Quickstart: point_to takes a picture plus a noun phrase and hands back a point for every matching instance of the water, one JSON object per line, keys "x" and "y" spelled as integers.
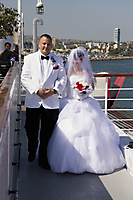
{"x": 114, "y": 66}
{"x": 118, "y": 66}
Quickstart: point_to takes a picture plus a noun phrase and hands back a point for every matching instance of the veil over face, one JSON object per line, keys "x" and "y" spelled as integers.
{"x": 78, "y": 62}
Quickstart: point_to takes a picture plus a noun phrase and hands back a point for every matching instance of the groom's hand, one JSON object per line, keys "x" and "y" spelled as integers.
{"x": 45, "y": 93}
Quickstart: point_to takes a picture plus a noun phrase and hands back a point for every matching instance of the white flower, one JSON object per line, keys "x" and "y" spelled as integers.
{"x": 83, "y": 83}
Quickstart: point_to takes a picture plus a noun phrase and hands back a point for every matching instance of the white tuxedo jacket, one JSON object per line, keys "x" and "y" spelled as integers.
{"x": 31, "y": 78}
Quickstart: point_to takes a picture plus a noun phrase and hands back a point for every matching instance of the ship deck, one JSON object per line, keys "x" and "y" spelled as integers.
{"x": 37, "y": 183}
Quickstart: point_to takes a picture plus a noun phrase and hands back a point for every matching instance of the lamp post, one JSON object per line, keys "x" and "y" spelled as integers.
{"x": 39, "y": 7}
{"x": 35, "y": 32}
{"x": 40, "y": 11}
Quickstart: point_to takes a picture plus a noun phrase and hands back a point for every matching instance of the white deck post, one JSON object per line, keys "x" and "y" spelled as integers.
{"x": 106, "y": 95}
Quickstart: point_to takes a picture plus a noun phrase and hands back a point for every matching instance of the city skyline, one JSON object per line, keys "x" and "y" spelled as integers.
{"x": 80, "y": 20}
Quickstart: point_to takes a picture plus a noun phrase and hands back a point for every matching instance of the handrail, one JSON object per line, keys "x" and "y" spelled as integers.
{"x": 125, "y": 111}
{"x": 5, "y": 88}
{"x": 118, "y": 109}
{"x": 112, "y": 75}
{"x": 9, "y": 133}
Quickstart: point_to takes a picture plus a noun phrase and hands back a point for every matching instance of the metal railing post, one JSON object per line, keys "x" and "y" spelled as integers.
{"x": 106, "y": 95}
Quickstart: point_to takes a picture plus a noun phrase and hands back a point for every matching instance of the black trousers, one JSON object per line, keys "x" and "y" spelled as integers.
{"x": 48, "y": 118}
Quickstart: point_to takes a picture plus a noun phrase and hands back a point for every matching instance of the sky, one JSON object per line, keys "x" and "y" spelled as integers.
{"x": 79, "y": 19}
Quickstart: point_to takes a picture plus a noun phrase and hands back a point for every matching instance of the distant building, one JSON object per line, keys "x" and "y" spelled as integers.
{"x": 117, "y": 37}
{"x": 67, "y": 45}
{"x": 54, "y": 42}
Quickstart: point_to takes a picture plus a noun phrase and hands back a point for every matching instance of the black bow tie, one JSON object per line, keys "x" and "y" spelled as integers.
{"x": 45, "y": 57}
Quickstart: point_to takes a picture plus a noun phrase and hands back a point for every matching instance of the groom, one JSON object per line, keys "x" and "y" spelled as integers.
{"x": 44, "y": 77}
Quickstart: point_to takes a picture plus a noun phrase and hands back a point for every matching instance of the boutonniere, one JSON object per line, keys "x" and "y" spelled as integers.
{"x": 56, "y": 67}
{"x": 53, "y": 60}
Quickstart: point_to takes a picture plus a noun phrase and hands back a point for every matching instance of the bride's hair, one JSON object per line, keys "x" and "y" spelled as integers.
{"x": 79, "y": 57}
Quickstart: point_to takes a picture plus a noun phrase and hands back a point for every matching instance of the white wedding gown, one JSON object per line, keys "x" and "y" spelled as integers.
{"x": 84, "y": 139}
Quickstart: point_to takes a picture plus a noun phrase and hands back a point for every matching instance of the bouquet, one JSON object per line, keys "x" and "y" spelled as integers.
{"x": 82, "y": 89}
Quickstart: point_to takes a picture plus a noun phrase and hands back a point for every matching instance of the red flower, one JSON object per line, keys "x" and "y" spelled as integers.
{"x": 53, "y": 60}
{"x": 79, "y": 86}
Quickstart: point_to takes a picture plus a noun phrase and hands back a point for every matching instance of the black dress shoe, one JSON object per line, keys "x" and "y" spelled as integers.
{"x": 44, "y": 166}
{"x": 31, "y": 157}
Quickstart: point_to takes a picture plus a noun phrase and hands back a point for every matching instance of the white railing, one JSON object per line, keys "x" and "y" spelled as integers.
{"x": 126, "y": 116}
{"x": 9, "y": 133}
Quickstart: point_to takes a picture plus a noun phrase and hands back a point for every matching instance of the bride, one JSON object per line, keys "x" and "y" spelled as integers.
{"x": 84, "y": 139}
